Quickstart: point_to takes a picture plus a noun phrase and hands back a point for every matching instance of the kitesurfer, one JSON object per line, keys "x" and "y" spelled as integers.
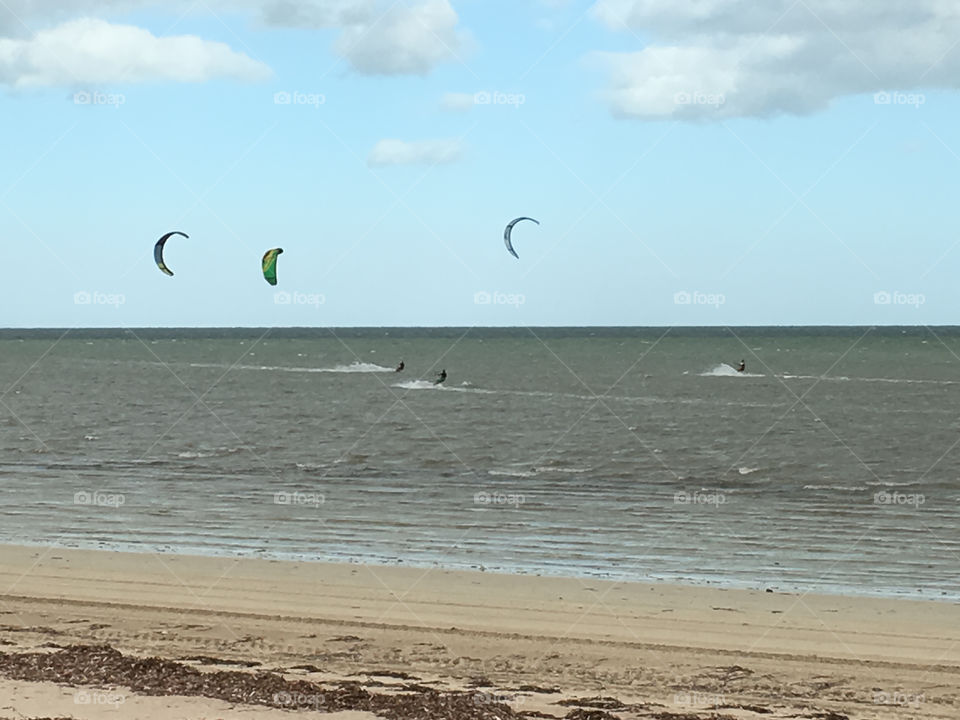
{"x": 441, "y": 376}
{"x": 742, "y": 367}
{"x": 400, "y": 367}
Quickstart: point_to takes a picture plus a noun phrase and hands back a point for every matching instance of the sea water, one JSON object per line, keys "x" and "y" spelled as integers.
{"x": 832, "y": 464}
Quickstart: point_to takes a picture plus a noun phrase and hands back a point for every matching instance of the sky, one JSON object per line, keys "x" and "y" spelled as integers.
{"x": 707, "y": 162}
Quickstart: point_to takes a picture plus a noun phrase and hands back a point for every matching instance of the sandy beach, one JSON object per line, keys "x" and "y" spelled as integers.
{"x": 474, "y": 644}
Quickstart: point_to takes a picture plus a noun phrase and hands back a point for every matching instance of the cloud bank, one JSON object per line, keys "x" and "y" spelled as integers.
{"x": 738, "y": 58}
{"x": 379, "y": 37}
{"x": 71, "y": 42}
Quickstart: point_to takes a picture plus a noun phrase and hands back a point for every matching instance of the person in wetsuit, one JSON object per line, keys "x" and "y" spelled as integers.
{"x": 441, "y": 376}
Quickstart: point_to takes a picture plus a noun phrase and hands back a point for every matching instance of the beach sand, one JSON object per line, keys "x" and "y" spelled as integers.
{"x": 461, "y": 644}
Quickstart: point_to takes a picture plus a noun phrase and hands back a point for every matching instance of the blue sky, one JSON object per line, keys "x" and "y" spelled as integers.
{"x": 690, "y": 163}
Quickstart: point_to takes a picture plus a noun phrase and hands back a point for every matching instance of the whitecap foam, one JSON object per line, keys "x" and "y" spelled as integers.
{"x": 216, "y": 452}
{"x": 892, "y": 381}
{"x": 724, "y": 370}
{"x": 894, "y": 483}
{"x": 907, "y": 381}
{"x": 819, "y": 378}
{"x": 845, "y": 488}
{"x": 355, "y": 367}
{"x": 430, "y": 385}
{"x": 476, "y": 391}
{"x": 511, "y": 473}
{"x": 417, "y": 385}
{"x": 358, "y": 367}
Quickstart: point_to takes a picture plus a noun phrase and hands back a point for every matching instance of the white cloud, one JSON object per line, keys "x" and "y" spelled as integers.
{"x": 376, "y": 37}
{"x": 423, "y": 152}
{"x": 23, "y": 18}
{"x": 403, "y": 40}
{"x": 735, "y": 58}
{"x": 318, "y": 13}
{"x": 458, "y": 102}
{"x": 18, "y": 17}
{"x": 96, "y": 52}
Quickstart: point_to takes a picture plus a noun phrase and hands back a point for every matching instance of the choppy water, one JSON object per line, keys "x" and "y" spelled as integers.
{"x": 833, "y": 464}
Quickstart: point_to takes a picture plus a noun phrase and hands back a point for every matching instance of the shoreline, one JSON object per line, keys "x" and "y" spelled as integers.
{"x": 680, "y": 649}
{"x": 825, "y": 591}
{"x": 58, "y": 574}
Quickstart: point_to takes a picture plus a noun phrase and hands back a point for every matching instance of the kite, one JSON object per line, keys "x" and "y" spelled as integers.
{"x": 158, "y": 251}
{"x": 270, "y": 265}
{"x": 509, "y": 231}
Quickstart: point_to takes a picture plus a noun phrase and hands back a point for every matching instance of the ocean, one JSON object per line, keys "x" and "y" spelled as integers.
{"x": 831, "y": 465}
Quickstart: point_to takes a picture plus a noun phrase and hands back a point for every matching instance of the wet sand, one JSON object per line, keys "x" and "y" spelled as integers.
{"x": 467, "y": 644}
